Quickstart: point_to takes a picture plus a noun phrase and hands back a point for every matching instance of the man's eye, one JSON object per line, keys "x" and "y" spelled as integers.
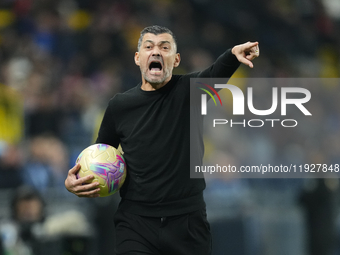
{"x": 148, "y": 47}
{"x": 165, "y": 47}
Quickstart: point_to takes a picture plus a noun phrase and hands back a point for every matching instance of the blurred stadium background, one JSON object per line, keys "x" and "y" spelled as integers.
{"x": 62, "y": 60}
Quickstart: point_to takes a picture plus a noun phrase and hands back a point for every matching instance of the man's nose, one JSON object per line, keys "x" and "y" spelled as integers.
{"x": 156, "y": 52}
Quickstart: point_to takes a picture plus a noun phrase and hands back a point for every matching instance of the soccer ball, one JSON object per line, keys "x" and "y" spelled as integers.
{"x": 106, "y": 164}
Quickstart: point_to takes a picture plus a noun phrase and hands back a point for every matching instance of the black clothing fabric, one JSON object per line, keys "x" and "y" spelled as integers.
{"x": 187, "y": 234}
{"x": 153, "y": 128}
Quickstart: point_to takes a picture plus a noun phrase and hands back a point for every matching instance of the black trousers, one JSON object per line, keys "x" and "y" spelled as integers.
{"x": 187, "y": 234}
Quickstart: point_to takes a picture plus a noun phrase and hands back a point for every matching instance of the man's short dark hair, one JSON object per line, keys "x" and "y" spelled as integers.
{"x": 156, "y": 30}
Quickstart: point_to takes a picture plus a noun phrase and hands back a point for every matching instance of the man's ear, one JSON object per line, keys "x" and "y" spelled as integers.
{"x": 137, "y": 58}
{"x": 177, "y": 60}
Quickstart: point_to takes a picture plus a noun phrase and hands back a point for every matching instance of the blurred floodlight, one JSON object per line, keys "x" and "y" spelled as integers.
{"x": 332, "y": 8}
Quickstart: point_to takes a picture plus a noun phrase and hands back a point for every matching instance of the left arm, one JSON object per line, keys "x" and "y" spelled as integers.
{"x": 229, "y": 61}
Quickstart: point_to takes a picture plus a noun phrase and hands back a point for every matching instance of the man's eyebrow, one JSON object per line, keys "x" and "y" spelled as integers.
{"x": 161, "y": 42}
{"x": 150, "y": 41}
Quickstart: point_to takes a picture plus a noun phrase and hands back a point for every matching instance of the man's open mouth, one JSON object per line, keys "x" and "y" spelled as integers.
{"x": 155, "y": 67}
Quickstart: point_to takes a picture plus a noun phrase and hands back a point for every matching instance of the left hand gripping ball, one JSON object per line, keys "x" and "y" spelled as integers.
{"x": 106, "y": 164}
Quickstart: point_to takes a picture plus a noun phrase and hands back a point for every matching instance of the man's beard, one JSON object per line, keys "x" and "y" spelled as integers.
{"x": 155, "y": 80}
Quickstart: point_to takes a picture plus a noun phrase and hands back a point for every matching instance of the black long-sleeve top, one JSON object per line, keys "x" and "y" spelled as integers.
{"x": 153, "y": 128}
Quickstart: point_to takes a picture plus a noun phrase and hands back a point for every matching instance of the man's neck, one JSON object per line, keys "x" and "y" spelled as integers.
{"x": 147, "y": 86}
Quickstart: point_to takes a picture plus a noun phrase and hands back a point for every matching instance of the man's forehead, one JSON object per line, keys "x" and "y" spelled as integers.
{"x": 158, "y": 38}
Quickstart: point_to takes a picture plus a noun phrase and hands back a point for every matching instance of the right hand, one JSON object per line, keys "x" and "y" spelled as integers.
{"x": 77, "y": 187}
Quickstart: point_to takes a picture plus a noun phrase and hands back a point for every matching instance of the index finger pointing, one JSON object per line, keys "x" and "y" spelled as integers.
{"x": 254, "y": 50}
{"x": 252, "y": 44}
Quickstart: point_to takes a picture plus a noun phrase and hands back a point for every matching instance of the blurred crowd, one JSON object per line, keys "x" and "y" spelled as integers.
{"x": 62, "y": 60}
